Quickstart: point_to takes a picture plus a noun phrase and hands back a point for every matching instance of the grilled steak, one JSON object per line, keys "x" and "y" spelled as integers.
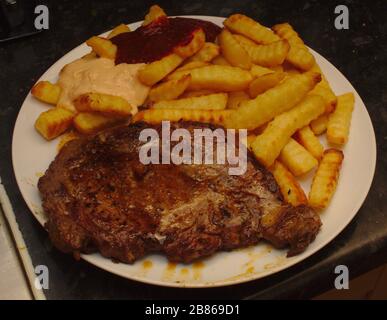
{"x": 99, "y": 196}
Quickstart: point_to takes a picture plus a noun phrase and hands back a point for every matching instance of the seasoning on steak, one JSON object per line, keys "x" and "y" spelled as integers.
{"x": 99, "y": 196}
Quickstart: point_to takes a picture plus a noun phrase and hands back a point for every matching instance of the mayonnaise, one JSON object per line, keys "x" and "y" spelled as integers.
{"x": 103, "y": 76}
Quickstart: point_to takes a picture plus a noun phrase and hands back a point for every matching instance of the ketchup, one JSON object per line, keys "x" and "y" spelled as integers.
{"x": 158, "y": 39}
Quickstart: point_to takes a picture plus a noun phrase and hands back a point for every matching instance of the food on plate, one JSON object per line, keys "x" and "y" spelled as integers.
{"x": 104, "y": 103}
{"x": 232, "y": 51}
{"x": 326, "y": 177}
{"x": 155, "y": 12}
{"x": 102, "y": 47}
{"x": 54, "y": 122}
{"x": 299, "y": 54}
{"x": 154, "y": 116}
{"x": 196, "y": 75}
{"x": 207, "y": 53}
{"x": 256, "y": 112}
{"x": 99, "y": 196}
{"x": 307, "y": 138}
{"x": 216, "y": 101}
{"x": 289, "y": 186}
{"x": 296, "y": 158}
{"x": 250, "y": 28}
{"x": 46, "y": 91}
{"x": 264, "y": 83}
{"x": 121, "y": 28}
{"x": 169, "y": 90}
{"x": 268, "y": 145}
{"x": 92, "y": 122}
{"x": 340, "y": 120}
{"x": 319, "y": 126}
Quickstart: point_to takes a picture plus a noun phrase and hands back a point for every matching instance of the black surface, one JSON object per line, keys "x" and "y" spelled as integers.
{"x": 359, "y": 53}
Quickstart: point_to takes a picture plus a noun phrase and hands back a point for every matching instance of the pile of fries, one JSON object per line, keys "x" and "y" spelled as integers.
{"x": 253, "y": 77}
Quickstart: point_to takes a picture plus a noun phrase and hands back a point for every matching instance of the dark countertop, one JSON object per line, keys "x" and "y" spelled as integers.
{"x": 359, "y": 53}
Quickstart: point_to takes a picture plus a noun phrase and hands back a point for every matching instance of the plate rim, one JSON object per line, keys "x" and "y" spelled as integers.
{"x": 208, "y": 284}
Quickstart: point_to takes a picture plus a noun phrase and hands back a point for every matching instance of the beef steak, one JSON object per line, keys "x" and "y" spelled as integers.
{"x": 99, "y": 196}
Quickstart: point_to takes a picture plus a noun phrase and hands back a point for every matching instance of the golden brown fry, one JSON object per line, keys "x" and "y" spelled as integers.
{"x": 121, "y": 28}
{"x": 207, "y": 53}
{"x": 250, "y": 138}
{"x": 267, "y": 55}
{"x": 340, "y": 120}
{"x": 306, "y": 137}
{"x": 155, "y": 12}
{"x": 264, "y": 83}
{"x": 90, "y": 123}
{"x": 246, "y": 26}
{"x": 169, "y": 90}
{"x": 53, "y": 122}
{"x": 46, "y": 91}
{"x": 104, "y": 103}
{"x": 197, "y": 93}
{"x": 217, "y": 101}
{"x": 221, "y": 78}
{"x": 243, "y": 40}
{"x": 234, "y": 53}
{"x": 325, "y": 180}
{"x": 296, "y": 158}
{"x": 235, "y": 98}
{"x": 259, "y": 71}
{"x": 269, "y": 144}
{"x": 319, "y": 125}
{"x": 197, "y": 42}
{"x": 299, "y": 54}
{"x": 185, "y": 69}
{"x": 103, "y": 47}
{"x": 289, "y": 186}
{"x": 254, "y": 113}
{"x": 221, "y": 61}
{"x": 154, "y": 116}
{"x": 157, "y": 70}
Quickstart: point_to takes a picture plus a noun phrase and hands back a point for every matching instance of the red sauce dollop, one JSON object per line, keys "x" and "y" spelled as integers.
{"x": 156, "y": 40}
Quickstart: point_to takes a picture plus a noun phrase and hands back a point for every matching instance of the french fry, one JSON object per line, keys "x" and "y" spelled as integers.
{"x": 154, "y": 116}
{"x": 220, "y": 61}
{"x": 267, "y": 55}
{"x": 235, "y": 98}
{"x": 53, "y": 122}
{"x": 324, "y": 89}
{"x": 217, "y": 101}
{"x": 91, "y": 123}
{"x": 319, "y": 126}
{"x": 46, "y": 91}
{"x": 157, "y": 70}
{"x": 197, "y": 42}
{"x": 289, "y": 186}
{"x": 185, "y": 69}
{"x": 197, "y": 93}
{"x": 250, "y": 139}
{"x": 269, "y": 144}
{"x": 169, "y": 90}
{"x": 103, "y": 47}
{"x": 340, "y": 120}
{"x": 207, "y": 53}
{"x": 296, "y": 158}
{"x": 264, "y": 83}
{"x": 254, "y": 113}
{"x": 221, "y": 78}
{"x": 259, "y": 71}
{"x": 299, "y": 54}
{"x": 325, "y": 180}
{"x": 306, "y": 137}
{"x": 246, "y": 26}
{"x": 155, "y": 12}
{"x": 104, "y": 103}
{"x": 121, "y": 28}
{"x": 234, "y": 53}
{"x": 243, "y": 40}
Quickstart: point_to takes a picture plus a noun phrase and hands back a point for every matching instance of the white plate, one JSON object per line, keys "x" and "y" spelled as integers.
{"x": 32, "y": 155}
